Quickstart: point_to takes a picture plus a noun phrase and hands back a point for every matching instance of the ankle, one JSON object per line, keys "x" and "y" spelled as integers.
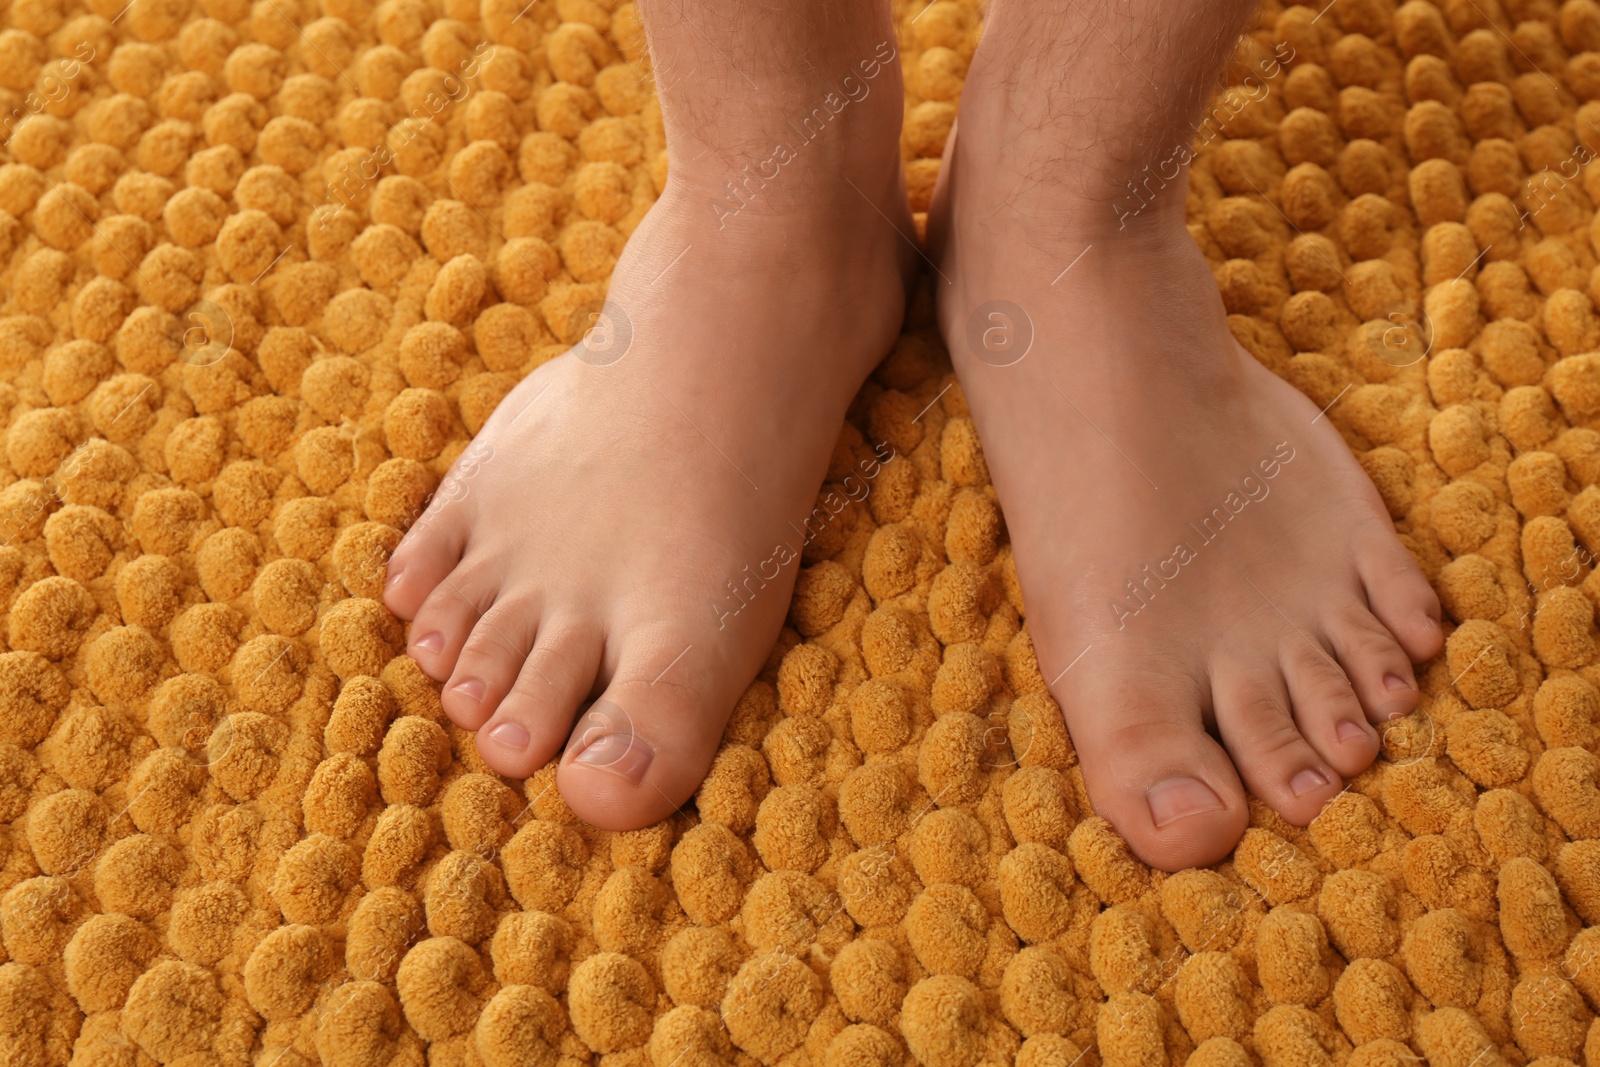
{"x": 1080, "y": 293}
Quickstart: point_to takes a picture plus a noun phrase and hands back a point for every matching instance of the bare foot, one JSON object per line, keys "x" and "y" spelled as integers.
{"x": 586, "y": 545}
{"x": 1214, "y": 588}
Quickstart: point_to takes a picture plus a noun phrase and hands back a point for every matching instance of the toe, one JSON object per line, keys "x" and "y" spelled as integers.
{"x": 640, "y": 751}
{"x": 1401, "y": 597}
{"x": 531, "y": 721}
{"x": 489, "y": 662}
{"x": 423, "y": 559}
{"x": 1378, "y": 668}
{"x": 1327, "y": 708}
{"x": 443, "y": 624}
{"x": 1155, "y": 774}
{"x": 1276, "y": 762}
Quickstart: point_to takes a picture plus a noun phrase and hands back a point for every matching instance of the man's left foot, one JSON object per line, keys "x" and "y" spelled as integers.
{"x": 1197, "y": 548}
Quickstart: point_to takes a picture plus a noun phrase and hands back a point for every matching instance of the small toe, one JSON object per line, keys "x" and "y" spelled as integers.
{"x": 1401, "y": 597}
{"x": 1275, "y": 760}
{"x": 531, "y": 721}
{"x": 641, "y": 750}
{"x": 489, "y": 663}
{"x": 1378, "y": 668}
{"x": 1154, "y": 773}
{"x": 421, "y": 561}
{"x": 442, "y": 626}
{"x": 1327, "y": 708}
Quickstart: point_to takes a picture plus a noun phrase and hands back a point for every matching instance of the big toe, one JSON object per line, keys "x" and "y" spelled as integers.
{"x": 641, "y": 750}
{"x": 1155, "y": 774}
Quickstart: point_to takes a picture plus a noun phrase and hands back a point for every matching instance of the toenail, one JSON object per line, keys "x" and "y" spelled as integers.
{"x": 1351, "y": 731}
{"x": 509, "y": 735}
{"x": 1306, "y": 781}
{"x": 472, "y": 689}
{"x": 1392, "y": 681}
{"x": 430, "y": 642}
{"x": 621, "y": 754}
{"x": 393, "y": 579}
{"x": 1178, "y": 798}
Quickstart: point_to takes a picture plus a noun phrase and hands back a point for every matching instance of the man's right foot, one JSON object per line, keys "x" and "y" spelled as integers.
{"x": 623, "y": 490}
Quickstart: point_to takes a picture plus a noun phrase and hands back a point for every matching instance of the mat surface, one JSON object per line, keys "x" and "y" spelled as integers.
{"x": 264, "y": 276}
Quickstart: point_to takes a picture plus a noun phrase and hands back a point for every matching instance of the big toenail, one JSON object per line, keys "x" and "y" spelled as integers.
{"x": 472, "y": 689}
{"x": 1351, "y": 731}
{"x": 393, "y": 579}
{"x": 1178, "y": 798}
{"x": 510, "y": 735}
{"x": 621, "y": 754}
{"x": 1392, "y": 681}
{"x": 430, "y": 642}
{"x": 1306, "y": 781}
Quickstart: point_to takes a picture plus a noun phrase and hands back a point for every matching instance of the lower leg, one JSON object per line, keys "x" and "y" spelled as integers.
{"x": 619, "y": 492}
{"x": 1080, "y": 98}
{"x": 740, "y": 82}
{"x": 1185, "y": 522}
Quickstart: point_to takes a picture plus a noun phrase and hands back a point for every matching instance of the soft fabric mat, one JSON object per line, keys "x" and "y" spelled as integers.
{"x": 264, "y": 276}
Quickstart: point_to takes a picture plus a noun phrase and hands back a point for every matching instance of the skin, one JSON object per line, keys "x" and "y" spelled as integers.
{"x": 615, "y": 495}
{"x": 1214, "y": 588}
{"x": 583, "y": 554}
